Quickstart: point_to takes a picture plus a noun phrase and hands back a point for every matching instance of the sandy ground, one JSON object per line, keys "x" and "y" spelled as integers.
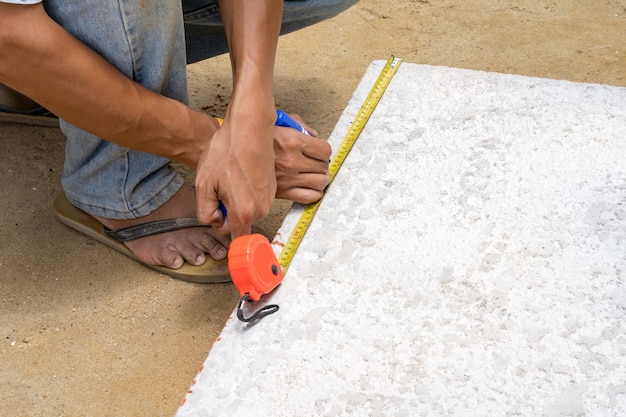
{"x": 84, "y": 331}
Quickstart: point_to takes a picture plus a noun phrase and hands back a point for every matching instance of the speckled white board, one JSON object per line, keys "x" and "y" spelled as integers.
{"x": 468, "y": 260}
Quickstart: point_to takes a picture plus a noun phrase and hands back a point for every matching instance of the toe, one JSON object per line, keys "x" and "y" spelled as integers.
{"x": 193, "y": 254}
{"x": 210, "y": 245}
{"x": 169, "y": 258}
{"x": 217, "y": 252}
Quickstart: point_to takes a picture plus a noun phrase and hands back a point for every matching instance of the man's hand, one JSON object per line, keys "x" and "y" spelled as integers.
{"x": 237, "y": 167}
{"x": 301, "y": 164}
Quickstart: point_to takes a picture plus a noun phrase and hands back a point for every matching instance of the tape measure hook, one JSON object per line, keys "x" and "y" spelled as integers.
{"x": 393, "y": 61}
{"x": 255, "y": 271}
{"x": 257, "y": 315}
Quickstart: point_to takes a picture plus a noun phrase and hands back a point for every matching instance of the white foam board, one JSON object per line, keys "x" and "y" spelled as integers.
{"x": 468, "y": 260}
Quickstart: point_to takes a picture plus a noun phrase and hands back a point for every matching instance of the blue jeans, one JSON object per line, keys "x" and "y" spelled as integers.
{"x": 105, "y": 179}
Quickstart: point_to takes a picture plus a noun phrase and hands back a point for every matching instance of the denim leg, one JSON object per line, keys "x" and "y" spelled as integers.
{"x": 205, "y": 34}
{"x": 144, "y": 40}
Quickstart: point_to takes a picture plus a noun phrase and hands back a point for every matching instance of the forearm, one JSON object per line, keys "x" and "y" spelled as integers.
{"x": 239, "y": 167}
{"x": 252, "y": 29}
{"x": 43, "y": 61}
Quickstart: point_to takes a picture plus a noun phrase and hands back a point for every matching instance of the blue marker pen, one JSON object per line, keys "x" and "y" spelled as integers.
{"x": 222, "y": 207}
{"x": 282, "y": 119}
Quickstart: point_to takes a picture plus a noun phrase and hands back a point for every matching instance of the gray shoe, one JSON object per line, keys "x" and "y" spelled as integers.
{"x": 17, "y": 108}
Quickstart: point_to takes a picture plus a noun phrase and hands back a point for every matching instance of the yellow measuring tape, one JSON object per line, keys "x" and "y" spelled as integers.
{"x": 391, "y": 67}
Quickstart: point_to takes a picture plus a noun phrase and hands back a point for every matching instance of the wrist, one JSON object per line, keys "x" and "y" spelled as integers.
{"x": 252, "y": 106}
{"x": 203, "y": 129}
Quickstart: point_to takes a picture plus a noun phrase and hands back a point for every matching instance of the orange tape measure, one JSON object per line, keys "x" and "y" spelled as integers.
{"x": 253, "y": 266}
{"x": 255, "y": 271}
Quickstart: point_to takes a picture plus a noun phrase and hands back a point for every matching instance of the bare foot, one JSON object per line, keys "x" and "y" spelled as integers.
{"x": 172, "y": 249}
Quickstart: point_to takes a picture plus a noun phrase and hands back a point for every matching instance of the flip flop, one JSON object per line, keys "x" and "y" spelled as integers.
{"x": 210, "y": 272}
{"x": 17, "y": 108}
{"x": 35, "y": 117}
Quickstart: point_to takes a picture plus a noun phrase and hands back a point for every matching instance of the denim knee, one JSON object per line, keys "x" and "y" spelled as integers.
{"x": 98, "y": 176}
{"x": 204, "y": 32}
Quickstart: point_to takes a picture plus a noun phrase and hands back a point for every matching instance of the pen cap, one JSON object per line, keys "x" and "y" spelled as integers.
{"x": 253, "y": 266}
{"x": 282, "y": 119}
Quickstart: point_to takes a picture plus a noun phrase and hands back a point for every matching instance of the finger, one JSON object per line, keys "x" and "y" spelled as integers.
{"x": 318, "y": 149}
{"x": 304, "y": 124}
{"x": 313, "y": 181}
{"x": 302, "y": 195}
{"x": 242, "y": 216}
{"x": 208, "y": 210}
{"x": 314, "y": 166}
{"x": 291, "y": 169}
{"x": 240, "y": 219}
{"x": 212, "y": 217}
{"x": 240, "y": 229}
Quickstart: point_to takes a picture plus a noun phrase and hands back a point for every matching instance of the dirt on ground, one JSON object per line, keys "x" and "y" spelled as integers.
{"x": 85, "y": 331}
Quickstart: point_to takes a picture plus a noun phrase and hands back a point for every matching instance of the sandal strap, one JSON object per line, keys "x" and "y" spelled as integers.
{"x": 17, "y": 108}
{"x": 152, "y": 228}
{"x": 38, "y": 111}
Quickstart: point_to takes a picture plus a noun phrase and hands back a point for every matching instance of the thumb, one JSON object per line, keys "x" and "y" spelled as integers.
{"x": 210, "y": 210}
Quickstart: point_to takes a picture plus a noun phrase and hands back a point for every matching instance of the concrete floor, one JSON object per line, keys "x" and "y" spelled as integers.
{"x": 467, "y": 260}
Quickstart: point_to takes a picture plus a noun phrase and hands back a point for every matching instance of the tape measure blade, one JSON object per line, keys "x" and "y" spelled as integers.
{"x": 367, "y": 108}
{"x": 291, "y": 246}
{"x": 364, "y": 113}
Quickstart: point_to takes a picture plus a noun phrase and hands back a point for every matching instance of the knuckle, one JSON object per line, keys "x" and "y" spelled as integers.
{"x": 328, "y": 149}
